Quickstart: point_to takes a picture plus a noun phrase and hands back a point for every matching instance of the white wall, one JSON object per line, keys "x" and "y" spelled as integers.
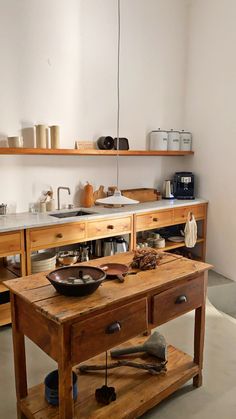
{"x": 58, "y": 66}
{"x": 211, "y": 114}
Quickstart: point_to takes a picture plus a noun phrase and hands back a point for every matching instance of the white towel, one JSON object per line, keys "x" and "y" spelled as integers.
{"x": 190, "y": 231}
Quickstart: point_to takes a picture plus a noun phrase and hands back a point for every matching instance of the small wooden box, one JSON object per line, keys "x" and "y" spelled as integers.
{"x": 142, "y": 194}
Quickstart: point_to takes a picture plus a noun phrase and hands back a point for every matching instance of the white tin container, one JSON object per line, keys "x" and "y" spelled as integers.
{"x": 185, "y": 141}
{"x": 173, "y": 140}
{"x": 158, "y": 140}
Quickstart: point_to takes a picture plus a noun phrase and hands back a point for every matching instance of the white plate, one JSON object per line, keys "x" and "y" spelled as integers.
{"x": 176, "y": 239}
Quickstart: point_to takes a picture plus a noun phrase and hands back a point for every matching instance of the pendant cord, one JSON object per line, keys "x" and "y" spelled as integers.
{"x": 118, "y": 95}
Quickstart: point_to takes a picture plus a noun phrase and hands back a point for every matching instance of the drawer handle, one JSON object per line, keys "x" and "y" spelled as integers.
{"x": 155, "y": 219}
{"x": 111, "y": 227}
{"x": 113, "y": 328}
{"x": 59, "y": 235}
{"x": 181, "y": 299}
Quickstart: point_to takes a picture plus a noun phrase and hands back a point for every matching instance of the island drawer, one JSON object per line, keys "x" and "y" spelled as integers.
{"x": 181, "y": 214}
{"x": 179, "y": 300}
{"x": 109, "y": 227}
{"x": 57, "y": 235}
{"x": 10, "y": 242}
{"x": 104, "y": 331}
{"x": 154, "y": 219}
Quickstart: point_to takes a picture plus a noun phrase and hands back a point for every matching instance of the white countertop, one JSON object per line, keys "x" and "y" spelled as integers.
{"x": 24, "y": 220}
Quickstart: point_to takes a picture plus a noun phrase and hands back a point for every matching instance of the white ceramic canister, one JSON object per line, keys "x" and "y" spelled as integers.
{"x": 173, "y": 140}
{"x": 158, "y": 140}
{"x": 185, "y": 141}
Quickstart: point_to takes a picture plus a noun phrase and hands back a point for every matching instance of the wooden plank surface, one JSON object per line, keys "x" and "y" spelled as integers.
{"x": 5, "y": 314}
{"x": 90, "y": 152}
{"x": 34, "y": 288}
{"x": 137, "y": 391}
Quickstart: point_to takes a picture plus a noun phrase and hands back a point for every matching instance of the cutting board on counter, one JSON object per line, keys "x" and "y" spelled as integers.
{"x": 142, "y": 194}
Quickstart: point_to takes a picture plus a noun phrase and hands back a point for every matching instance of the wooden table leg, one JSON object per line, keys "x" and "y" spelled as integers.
{"x": 66, "y": 405}
{"x": 199, "y": 334}
{"x": 19, "y": 359}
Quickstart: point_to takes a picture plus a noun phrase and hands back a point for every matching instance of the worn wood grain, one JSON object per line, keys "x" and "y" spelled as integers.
{"x": 109, "y": 227}
{"x": 137, "y": 391}
{"x": 61, "y": 308}
{"x": 166, "y": 307}
{"x": 92, "y": 337}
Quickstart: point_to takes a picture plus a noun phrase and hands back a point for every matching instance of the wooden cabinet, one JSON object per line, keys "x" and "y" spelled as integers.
{"x": 79, "y": 329}
{"x": 108, "y": 329}
{"x": 109, "y": 227}
{"x": 11, "y": 244}
{"x": 46, "y": 237}
{"x": 181, "y": 214}
{"x": 176, "y": 301}
{"x": 155, "y": 219}
{"x": 170, "y": 217}
{"x": 77, "y": 232}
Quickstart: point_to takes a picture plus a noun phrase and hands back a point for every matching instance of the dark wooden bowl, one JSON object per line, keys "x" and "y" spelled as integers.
{"x": 60, "y": 280}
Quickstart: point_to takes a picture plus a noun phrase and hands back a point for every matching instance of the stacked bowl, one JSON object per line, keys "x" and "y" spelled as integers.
{"x": 41, "y": 262}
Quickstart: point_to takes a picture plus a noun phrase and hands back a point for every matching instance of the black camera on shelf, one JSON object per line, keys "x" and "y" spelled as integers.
{"x": 109, "y": 143}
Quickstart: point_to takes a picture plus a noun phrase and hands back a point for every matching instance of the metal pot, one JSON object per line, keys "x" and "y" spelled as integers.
{"x": 3, "y": 209}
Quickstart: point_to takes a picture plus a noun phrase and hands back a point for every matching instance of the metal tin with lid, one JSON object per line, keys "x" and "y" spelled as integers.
{"x": 158, "y": 140}
{"x": 3, "y": 209}
{"x": 173, "y": 140}
{"x": 185, "y": 141}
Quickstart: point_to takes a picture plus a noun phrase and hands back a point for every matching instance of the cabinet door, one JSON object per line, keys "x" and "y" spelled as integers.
{"x": 46, "y": 237}
{"x": 155, "y": 219}
{"x": 90, "y": 337}
{"x": 179, "y": 300}
{"x": 10, "y": 243}
{"x": 181, "y": 214}
{"x": 109, "y": 227}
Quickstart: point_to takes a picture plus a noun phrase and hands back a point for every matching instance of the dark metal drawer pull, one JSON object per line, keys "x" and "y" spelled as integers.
{"x": 181, "y": 299}
{"x": 155, "y": 219}
{"x": 59, "y": 235}
{"x": 113, "y": 328}
{"x": 111, "y": 227}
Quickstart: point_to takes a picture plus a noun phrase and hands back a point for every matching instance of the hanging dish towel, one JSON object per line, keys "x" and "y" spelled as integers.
{"x": 190, "y": 231}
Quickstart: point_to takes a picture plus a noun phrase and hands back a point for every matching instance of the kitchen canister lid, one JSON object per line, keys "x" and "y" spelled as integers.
{"x": 159, "y": 130}
{"x": 185, "y": 132}
{"x": 173, "y": 130}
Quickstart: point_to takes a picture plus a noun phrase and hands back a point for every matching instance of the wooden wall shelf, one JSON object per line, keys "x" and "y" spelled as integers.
{"x": 89, "y": 152}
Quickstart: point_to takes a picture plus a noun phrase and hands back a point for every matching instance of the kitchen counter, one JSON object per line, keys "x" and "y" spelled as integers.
{"x": 24, "y": 220}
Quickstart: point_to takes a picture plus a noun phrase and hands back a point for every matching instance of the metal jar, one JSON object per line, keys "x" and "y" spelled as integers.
{"x": 3, "y": 209}
{"x": 185, "y": 141}
{"x": 173, "y": 140}
{"x": 158, "y": 140}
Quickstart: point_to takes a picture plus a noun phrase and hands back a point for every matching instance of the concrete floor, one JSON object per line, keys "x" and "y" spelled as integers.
{"x": 215, "y": 399}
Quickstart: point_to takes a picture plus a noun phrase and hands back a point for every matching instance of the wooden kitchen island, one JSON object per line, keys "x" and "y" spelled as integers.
{"x": 72, "y": 330}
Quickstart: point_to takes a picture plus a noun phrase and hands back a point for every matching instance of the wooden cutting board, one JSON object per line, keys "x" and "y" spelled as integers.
{"x": 142, "y": 194}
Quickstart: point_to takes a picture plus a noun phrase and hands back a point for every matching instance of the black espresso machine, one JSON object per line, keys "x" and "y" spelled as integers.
{"x": 183, "y": 185}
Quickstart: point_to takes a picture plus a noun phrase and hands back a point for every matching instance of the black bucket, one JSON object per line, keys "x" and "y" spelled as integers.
{"x": 51, "y": 388}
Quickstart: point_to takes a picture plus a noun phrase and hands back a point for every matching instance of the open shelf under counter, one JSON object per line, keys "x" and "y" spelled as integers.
{"x": 172, "y": 245}
{"x": 136, "y": 389}
{"x": 89, "y": 152}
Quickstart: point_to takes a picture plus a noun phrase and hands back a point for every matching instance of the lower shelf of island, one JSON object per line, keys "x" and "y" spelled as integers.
{"x": 137, "y": 391}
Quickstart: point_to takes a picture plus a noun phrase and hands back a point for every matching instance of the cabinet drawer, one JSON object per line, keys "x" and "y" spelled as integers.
{"x": 56, "y": 236}
{"x": 177, "y": 301}
{"x": 109, "y": 227}
{"x": 180, "y": 214}
{"x": 92, "y": 337}
{"x": 10, "y": 242}
{"x": 154, "y": 219}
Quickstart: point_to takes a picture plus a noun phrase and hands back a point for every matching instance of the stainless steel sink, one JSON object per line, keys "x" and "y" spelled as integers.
{"x": 79, "y": 213}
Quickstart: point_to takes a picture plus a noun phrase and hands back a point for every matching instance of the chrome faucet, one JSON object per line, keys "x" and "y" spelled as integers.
{"x": 58, "y": 195}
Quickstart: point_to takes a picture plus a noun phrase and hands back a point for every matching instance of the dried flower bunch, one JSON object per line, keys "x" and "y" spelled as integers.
{"x": 145, "y": 259}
